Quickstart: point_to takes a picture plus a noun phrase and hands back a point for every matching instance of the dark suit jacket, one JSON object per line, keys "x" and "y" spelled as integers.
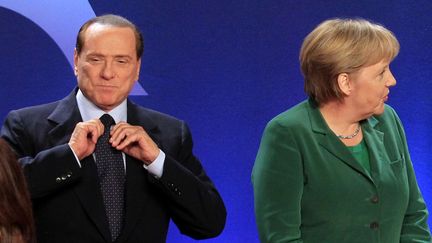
{"x": 67, "y": 200}
{"x": 309, "y": 188}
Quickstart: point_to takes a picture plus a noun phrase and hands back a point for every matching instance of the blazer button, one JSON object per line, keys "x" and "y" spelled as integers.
{"x": 374, "y": 199}
{"x": 374, "y": 225}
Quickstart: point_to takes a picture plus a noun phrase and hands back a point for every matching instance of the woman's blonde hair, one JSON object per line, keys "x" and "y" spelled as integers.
{"x": 342, "y": 46}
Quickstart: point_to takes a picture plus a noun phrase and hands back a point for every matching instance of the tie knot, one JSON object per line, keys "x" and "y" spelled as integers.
{"x": 107, "y": 120}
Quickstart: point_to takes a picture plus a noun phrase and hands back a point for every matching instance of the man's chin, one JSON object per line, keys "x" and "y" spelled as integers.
{"x": 105, "y": 106}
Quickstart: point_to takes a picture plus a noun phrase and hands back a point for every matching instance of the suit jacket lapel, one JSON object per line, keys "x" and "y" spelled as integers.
{"x": 136, "y": 182}
{"x": 139, "y": 116}
{"x": 136, "y": 188}
{"x": 329, "y": 141}
{"x": 90, "y": 195}
{"x": 375, "y": 142}
{"x": 64, "y": 118}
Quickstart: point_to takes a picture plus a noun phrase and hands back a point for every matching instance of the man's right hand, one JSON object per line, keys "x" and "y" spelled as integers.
{"x": 84, "y": 137}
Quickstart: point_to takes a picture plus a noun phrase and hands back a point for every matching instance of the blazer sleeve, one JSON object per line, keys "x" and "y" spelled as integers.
{"x": 278, "y": 179}
{"x": 414, "y": 227}
{"x": 195, "y": 205}
{"x": 47, "y": 170}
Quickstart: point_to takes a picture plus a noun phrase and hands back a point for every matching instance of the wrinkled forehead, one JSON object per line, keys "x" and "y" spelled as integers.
{"x": 97, "y": 30}
{"x": 110, "y": 39}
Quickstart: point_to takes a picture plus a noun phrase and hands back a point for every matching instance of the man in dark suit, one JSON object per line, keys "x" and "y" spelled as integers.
{"x": 56, "y": 144}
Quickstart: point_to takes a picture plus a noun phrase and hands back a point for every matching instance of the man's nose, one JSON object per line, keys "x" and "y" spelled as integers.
{"x": 107, "y": 71}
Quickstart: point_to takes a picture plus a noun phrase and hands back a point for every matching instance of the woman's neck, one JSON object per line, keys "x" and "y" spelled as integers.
{"x": 343, "y": 121}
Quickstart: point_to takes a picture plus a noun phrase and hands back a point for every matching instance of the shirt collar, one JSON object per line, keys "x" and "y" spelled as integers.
{"x": 90, "y": 111}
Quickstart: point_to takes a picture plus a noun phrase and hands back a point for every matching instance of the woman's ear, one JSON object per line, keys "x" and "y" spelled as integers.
{"x": 344, "y": 83}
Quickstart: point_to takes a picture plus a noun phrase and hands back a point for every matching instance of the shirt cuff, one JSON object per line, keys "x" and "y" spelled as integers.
{"x": 156, "y": 167}
{"x": 76, "y": 157}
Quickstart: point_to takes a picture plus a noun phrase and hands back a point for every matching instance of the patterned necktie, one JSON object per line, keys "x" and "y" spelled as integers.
{"x": 111, "y": 173}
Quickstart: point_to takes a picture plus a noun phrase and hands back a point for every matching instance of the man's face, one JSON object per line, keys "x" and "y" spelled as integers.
{"x": 107, "y": 67}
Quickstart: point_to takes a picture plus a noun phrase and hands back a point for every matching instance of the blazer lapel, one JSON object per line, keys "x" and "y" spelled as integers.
{"x": 90, "y": 195}
{"x": 139, "y": 116}
{"x": 64, "y": 118}
{"x": 136, "y": 175}
{"x": 329, "y": 141}
{"x": 375, "y": 143}
{"x": 136, "y": 188}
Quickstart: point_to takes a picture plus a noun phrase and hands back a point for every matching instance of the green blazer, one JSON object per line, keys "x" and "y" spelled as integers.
{"x": 308, "y": 187}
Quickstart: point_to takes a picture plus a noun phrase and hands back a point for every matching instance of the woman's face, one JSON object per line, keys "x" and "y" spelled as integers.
{"x": 370, "y": 88}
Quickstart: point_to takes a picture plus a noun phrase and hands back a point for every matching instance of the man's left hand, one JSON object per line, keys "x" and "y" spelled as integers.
{"x": 134, "y": 141}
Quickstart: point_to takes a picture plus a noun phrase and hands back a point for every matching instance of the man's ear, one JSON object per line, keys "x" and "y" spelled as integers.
{"x": 344, "y": 83}
{"x": 138, "y": 70}
{"x": 75, "y": 62}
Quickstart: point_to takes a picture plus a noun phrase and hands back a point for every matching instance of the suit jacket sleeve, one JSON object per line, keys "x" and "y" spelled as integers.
{"x": 196, "y": 207}
{"x": 277, "y": 179}
{"x": 46, "y": 171}
{"x": 414, "y": 227}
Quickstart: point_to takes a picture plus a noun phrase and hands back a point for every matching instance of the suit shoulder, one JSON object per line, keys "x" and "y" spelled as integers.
{"x": 150, "y": 118}
{"x": 157, "y": 115}
{"x": 36, "y": 110}
{"x": 389, "y": 115}
{"x": 294, "y": 117}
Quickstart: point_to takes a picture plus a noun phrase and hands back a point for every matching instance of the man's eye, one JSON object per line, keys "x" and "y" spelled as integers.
{"x": 122, "y": 61}
{"x": 95, "y": 59}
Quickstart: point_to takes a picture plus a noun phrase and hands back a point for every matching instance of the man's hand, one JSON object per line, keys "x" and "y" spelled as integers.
{"x": 84, "y": 137}
{"x": 134, "y": 141}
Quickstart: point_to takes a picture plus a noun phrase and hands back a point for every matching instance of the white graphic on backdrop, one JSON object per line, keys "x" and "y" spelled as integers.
{"x": 61, "y": 20}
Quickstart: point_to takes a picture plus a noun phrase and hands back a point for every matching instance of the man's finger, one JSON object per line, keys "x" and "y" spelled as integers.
{"x": 127, "y": 140}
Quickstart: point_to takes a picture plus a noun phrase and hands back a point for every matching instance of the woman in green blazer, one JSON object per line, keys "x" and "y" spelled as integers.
{"x": 336, "y": 168}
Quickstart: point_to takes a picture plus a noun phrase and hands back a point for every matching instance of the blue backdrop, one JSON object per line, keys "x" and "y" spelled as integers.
{"x": 226, "y": 67}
